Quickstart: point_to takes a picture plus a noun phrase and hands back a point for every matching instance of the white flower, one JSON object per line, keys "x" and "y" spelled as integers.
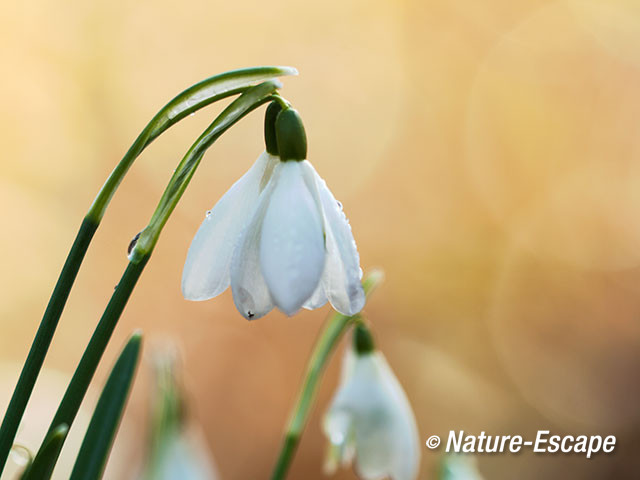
{"x": 279, "y": 238}
{"x": 370, "y": 419}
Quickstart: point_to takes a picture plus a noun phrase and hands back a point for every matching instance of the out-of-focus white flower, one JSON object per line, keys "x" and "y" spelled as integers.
{"x": 459, "y": 467}
{"x": 278, "y": 237}
{"x": 177, "y": 447}
{"x": 371, "y": 419}
{"x": 183, "y": 457}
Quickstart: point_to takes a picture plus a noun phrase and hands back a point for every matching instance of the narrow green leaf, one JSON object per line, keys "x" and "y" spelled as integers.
{"x": 44, "y": 462}
{"x": 42, "y": 340}
{"x": 98, "y": 440}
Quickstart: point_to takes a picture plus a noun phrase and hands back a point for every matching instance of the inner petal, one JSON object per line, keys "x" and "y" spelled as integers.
{"x": 292, "y": 253}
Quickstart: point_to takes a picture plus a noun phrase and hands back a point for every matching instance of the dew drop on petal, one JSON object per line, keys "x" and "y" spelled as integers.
{"x": 208, "y": 214}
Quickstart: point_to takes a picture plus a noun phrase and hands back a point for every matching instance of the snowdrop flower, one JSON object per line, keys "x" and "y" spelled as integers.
{"x": 370, "y": 418}
{"x": 278, "y": 236}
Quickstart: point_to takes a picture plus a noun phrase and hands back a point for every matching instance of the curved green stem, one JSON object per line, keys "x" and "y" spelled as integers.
{"x": 189, "y": 101}
{"x": 335, "y": 327}
{"x": 70, "y": 404}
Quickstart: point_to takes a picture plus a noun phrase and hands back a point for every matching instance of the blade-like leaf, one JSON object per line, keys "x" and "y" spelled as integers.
{"x": 44, "y": 462}
{"x": 98, "y": 440}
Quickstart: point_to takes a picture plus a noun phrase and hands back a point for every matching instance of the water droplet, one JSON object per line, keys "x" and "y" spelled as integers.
{"x": 208, "y": 213}
{"x": 192, "y": 114}
{"x": 20, "y": 455}
{"x": 133, "y": 243}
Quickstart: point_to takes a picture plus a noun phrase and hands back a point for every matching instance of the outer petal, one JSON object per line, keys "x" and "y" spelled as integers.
{"x": 206, "y": 270}
{"x": 318, "y": 299}
{"x": 401, "y": 439}
{"x": 292, "y": 251}
{"x": 250, "y": 292}
{"x": 342, "y": 275}
{"x": 338, "y": 427}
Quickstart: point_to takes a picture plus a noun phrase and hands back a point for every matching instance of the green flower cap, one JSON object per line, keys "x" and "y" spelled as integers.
{"x": 363, "y": 343}
{"x": 292, "y": 139}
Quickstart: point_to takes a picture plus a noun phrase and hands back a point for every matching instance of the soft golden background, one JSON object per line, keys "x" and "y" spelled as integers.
{"x": 487, "y": 157}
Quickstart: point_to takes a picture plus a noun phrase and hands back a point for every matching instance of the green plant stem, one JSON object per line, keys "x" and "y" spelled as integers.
{"x": 98, "y": 440}
{"x": 247, "y": 102}
{"x": 187, "y": 102}
{"x": 79, "y": 383}
{"x": 43, "y": 338}
{"x": 334, "y": 328}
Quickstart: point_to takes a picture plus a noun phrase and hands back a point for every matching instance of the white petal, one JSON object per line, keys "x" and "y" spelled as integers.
{"x": 292, "y": 250}
{"x": 206, "y": 270}
{"x": 342, "y": 275}
{"x": 250, "y": 292}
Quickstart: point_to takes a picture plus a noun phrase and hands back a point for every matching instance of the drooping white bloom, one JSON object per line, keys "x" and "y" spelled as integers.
{"x": 370, "y": 419}
{"x": 279, "y": 238}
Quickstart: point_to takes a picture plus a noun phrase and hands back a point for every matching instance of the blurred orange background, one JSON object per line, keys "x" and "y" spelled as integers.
{"x": 486, "y": 154}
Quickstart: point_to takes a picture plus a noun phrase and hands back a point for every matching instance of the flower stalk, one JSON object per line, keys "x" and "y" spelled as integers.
{"x": 187, "y": 102}
{"x": 334, "y": 329}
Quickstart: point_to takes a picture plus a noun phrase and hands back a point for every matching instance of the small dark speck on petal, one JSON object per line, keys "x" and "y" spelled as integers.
{"x": 250, "y": 314}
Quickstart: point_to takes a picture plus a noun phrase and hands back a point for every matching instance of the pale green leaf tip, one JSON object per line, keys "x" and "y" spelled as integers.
{"x": 60, "y": 431}
{"x": 289, "y": 70}
{"x": 136, "y": 335}
{"x": 375, "y": 275}
{"x": 372, "y": 280}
